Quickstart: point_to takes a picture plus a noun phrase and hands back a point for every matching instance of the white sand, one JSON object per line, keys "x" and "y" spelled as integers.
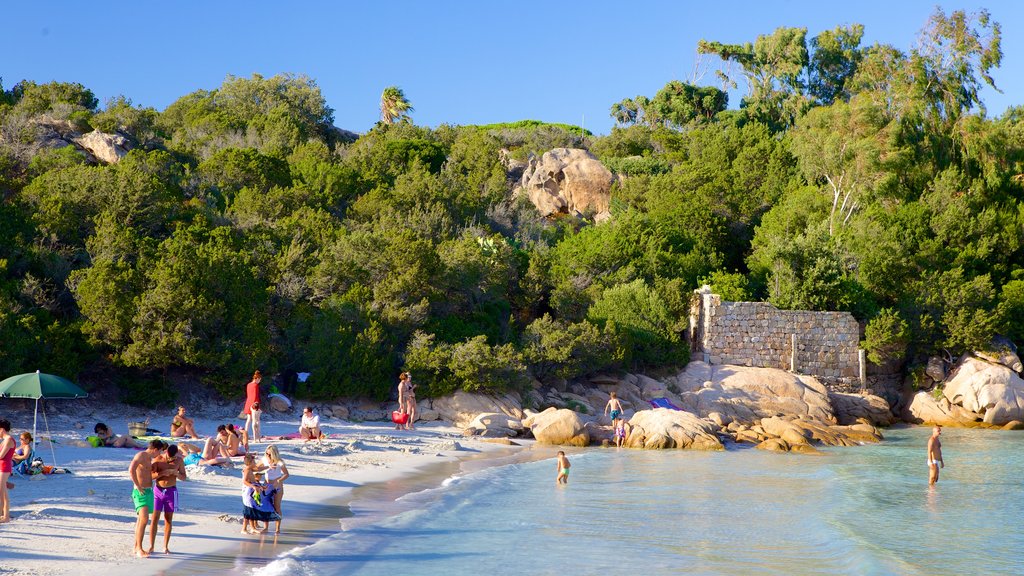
{"x": 83, "y": 523}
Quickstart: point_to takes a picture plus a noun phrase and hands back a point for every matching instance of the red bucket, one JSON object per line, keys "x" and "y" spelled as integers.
{"x": 399, "y": 417}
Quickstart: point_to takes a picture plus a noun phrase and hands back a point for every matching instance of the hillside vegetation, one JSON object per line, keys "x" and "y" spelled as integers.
{"x": 244, "y": 230}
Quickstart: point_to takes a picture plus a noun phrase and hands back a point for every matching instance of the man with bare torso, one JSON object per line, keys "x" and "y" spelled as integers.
{"x": 168, "y": 468}
{"x": 935, "y": 456}
{"x": 141, "y": 473}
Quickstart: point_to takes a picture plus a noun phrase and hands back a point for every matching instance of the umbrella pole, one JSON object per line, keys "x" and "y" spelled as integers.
{"x": 35, "y": 418}
{"x": 49, "y": 436}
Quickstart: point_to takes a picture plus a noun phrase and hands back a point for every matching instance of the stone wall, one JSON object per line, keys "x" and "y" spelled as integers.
{"x": 759, "y": 334}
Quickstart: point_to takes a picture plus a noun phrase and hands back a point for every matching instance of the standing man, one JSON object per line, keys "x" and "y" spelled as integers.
{"x": 935, "y": 456}
{"x": 168, "y": 468}
{"x": 141, "y": 473}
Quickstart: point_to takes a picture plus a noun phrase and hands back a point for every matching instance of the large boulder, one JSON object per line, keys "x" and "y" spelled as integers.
{"x": 850, "y": 408}
{"x": 663, "y": 428}
{"x": 494, "y": 424}
{"x": 107, "y": 148}
{"x": 1002, "y": 351}
{"x": 927, "y": 408}
{"x": 745, "y": 394}
{"x": 568, "y": 181}
{"x": 462, "y": 407}
{"x": 993, "y": 391}
{"x": 558, "y": 426}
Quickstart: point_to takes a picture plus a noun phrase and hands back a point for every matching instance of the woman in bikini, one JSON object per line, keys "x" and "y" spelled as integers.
{"x": 182, "y": 425}
{"x": 410, "y": 401}
{"x": 276, "y": 473}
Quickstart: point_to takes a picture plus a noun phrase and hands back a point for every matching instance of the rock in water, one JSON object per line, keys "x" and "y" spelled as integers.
{"x": 561, "y": 427}
{"x": 568, "y": 181}
{"x": 664, "y": 428}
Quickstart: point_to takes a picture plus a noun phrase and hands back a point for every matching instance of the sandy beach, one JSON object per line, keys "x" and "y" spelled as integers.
{"x": 83, "y": 522}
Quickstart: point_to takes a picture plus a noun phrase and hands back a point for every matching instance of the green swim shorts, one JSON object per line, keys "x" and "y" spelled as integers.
{"x": 144, "y": 498}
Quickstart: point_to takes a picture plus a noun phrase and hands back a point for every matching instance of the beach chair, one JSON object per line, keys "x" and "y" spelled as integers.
{"x": 24, "y": 468}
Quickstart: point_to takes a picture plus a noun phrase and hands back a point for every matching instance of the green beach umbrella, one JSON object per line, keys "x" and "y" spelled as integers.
{"x": 38, "y": 385}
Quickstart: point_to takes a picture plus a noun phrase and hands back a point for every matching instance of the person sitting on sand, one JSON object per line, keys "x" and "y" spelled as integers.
{"x": 215, "y": 453}
{"x": 168, "y": 468}
{"x": 619, "y": 426}
{"x": 141, "y": 473}
{"x": 108, "y": 438}
{"x": 230, "y": 437}
{"x": 309, "y": 428}
{"x": 276, "y": 473}
{"x": 563, "y": 469}
{"x": 182, "y": 425}
{"x": 23, "y": 454}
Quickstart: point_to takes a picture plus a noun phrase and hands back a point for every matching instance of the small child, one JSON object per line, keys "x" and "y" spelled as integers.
{"x": 620, "y": 432}
{"x": 563, "y": 469}
{"x": 613, "y": 408}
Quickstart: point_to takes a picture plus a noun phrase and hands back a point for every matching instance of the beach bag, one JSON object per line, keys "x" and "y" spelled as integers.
{"x": 399, "y": 417}
{"x": 94, "y": 441}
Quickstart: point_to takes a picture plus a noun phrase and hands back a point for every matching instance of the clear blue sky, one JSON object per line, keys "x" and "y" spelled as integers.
{"x": 459, "y": 62}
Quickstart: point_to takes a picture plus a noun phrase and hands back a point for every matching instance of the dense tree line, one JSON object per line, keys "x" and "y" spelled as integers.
{"x": 244, "y": 230}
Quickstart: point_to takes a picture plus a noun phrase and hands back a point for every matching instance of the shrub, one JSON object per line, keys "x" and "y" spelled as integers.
{"x": 886, "y": 336}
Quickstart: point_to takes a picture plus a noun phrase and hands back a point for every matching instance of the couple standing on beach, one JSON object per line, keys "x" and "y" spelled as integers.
{"x": 159, "y": 463}
{"x": 406, "y": 400}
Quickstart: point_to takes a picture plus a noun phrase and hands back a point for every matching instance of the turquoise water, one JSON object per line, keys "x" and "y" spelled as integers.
{"x": 864, "y": 510}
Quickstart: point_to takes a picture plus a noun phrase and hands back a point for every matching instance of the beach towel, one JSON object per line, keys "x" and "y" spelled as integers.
{"x": 297, "y": 436}
{"x": 24, "y": 467}
{"x": 664, "y": 403}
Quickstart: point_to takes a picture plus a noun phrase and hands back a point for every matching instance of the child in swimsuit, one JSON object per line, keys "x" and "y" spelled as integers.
{"x": 563, "y": 469}
{"x": 620, "y": 432}
{"x": 613, "y": 408}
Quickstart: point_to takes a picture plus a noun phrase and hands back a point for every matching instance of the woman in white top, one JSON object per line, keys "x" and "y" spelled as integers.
{"x": 276, "y": 473}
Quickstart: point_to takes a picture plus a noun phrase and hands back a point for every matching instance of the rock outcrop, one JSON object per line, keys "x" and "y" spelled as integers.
{"x": 993, "y": 391}
{"x": 568, "y": 181}
{"x": 741, "y": 393}
{"x": 558, "y": 426}
{"x": 494, "y": 424}
{"x": 462, "y": 407}
{"x": 663, "y": 428}
{"x": 849, "y": 408}
{"x": 107, "y": 148}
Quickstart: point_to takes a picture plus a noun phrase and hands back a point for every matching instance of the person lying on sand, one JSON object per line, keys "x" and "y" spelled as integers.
{"x": 182, "y": 425}
{"x": 108, "y": 438}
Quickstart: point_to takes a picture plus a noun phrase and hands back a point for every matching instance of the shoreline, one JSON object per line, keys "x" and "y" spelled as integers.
{"x": 84, "y": 521}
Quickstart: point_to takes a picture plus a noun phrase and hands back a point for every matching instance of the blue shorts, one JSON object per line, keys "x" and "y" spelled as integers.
{"x": 615, "y": 414}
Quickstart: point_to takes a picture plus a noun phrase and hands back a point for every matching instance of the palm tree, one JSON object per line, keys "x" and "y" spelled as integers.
{"x": 394, "y": 105}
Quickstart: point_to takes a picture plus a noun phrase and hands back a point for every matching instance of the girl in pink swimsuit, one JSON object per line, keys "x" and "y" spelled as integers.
{"x": 6, "y": 466}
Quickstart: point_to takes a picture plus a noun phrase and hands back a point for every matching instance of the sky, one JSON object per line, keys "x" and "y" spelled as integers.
{"x": 459, "y": 61}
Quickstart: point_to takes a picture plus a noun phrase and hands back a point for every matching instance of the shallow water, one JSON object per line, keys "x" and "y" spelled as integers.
{"x": 863, "y": 510}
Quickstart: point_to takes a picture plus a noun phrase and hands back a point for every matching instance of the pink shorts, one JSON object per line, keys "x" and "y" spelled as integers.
{"x": 165, "y": 499}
